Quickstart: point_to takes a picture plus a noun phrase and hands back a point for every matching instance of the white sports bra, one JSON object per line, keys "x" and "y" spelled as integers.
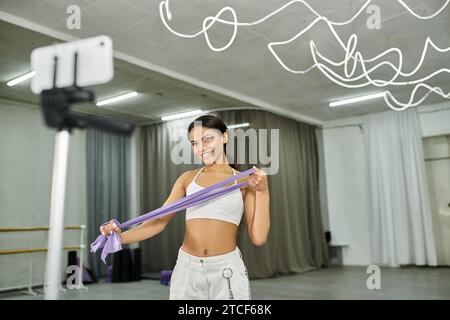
{"x": 228, "y": 207}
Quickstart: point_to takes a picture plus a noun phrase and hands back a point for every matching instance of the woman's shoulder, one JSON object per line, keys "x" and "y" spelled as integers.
{"x": 188, "y": 175}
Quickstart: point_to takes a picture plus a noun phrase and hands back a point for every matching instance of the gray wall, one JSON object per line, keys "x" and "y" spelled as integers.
{"x": 26, "y": 157}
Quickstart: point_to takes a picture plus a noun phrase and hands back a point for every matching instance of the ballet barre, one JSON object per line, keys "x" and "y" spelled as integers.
{"x": 3, "y": 252}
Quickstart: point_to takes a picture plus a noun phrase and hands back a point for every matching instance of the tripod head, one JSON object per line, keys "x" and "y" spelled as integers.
{"x": 56, "y": 103}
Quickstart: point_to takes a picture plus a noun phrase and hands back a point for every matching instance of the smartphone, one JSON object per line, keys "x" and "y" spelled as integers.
{"x": 94, "y": 63}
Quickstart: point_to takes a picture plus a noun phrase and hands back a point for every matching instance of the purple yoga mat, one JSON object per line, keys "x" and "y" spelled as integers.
{"x": 112, "y": 243}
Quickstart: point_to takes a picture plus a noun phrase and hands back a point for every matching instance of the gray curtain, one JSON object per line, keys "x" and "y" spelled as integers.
{"x": 296, "y": 240}
{"x": 108, "y": 184}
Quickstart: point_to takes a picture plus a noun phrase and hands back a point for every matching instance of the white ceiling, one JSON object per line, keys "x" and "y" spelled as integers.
{"x": 158, "y": 94}
{"x": 153, "y": 61}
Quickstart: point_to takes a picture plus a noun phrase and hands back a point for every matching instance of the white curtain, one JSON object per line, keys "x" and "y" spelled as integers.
{"x": 400, "y": 214}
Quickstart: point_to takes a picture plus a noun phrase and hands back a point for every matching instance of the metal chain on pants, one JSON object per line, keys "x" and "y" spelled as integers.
{"x": 227, "y": 273}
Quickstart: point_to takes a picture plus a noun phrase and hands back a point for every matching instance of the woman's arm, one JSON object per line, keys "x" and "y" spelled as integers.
{"x": 257, "y": 210}
{"x": 146, "y": 230}
{"x": 151, "y": 228}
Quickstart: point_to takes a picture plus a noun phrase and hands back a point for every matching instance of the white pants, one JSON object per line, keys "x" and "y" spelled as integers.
{"x": 222, "y": 277}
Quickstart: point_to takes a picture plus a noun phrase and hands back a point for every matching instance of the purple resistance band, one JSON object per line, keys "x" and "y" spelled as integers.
{"x": 112, "y": 243}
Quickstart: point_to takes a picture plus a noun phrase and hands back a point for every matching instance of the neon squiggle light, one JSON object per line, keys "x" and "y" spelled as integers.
{"x": 349, "y": 48}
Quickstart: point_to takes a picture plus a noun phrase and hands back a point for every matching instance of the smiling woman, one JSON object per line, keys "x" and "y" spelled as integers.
{"x": 209, "y": 264}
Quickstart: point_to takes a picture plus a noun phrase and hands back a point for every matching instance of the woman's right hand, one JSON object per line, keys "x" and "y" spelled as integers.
{"x": 108, "y": 228}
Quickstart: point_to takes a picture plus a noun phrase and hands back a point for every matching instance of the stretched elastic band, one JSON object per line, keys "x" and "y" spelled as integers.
{"x": 112, "y": 243}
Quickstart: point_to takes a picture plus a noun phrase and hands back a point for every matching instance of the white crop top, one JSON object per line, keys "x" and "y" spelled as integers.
{"x": 228, "y": 207}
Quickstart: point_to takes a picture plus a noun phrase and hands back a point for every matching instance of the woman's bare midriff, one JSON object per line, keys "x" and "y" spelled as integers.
{"x": 209, "y": 237}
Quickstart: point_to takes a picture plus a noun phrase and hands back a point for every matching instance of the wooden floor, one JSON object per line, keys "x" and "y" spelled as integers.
{"x": 329, "y": 283}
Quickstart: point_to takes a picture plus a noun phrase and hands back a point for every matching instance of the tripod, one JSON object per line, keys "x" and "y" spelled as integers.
{"x": 56, "y": 104}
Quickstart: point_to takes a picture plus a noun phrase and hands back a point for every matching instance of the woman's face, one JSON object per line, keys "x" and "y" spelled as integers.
{"x": 207, "y": 144}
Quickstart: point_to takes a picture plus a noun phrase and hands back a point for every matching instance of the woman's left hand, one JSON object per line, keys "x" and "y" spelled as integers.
{"x": 258, "y": 180}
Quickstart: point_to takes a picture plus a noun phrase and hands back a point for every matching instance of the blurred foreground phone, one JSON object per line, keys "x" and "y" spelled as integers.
{"x": 94, "y": 64}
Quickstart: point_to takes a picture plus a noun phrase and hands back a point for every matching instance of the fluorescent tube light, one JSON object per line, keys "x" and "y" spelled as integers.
{"x": 239, "y": 125}
{"x": 357, "y": 99}
{"x": 181, "y": 115}
{"x": 118, "y": 98}
{"x": 20, "y": 79}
